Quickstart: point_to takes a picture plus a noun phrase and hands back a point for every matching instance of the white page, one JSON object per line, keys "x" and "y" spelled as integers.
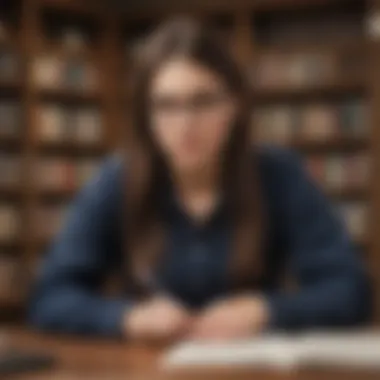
{"x": 324, "y": 349}
{"x": 343, "y": 349}
{"x": 269, "y": 351}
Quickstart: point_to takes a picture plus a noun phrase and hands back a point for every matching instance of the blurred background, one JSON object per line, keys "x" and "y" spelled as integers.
{"x": 313, "y": 66}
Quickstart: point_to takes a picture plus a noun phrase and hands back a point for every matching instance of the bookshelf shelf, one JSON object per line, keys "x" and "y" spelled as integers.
{"x": 9, "y": 143}
{"x": 11, "y": 244}
{"x": 57, "y": 194}
{"x": 72, "y": 148}
{"x": 10, "y": 87}
{"x": 10, "y": 192}
{"x": 348, "y": 193}
{"x": 73, "y": 7}
{"x": 338, "y": 144}
{"x": 333, "y": 89}
{"x": 65, "y": 95}
{"x": 279, "y": 5}
{"x": 11, "y": 302}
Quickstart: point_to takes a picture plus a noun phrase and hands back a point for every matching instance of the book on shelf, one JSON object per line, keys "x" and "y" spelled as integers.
{"x": 87, "y": 126}
{"x": 78, "y": 75}
{"x": 51, "y": 123}
{"x": 355, "y": 217}
{"x": 275, "y": 124}
{"x": 10, "y": 118}
{"x": 354, "y": 117}
{"x": 56, "y": 174}
{"x": 358, "y": 169}
{"x": 318, "y": 122}
{"x": 335, "y": 173}
{"x": 10, "y": 169}
{"x": 9, "y": 276}
{"x": 49, "y": 220}
{"x": 9, "y": 65}
{"x": 4, "y": 32}
{"x": 73, "y": 40}
{"x": 9, "y": 222}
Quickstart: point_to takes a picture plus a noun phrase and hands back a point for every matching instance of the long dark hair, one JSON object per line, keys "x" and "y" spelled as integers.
{"x": 146, "y": 166}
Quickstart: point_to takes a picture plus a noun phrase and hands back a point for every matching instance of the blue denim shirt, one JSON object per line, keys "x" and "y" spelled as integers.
{"x": 304, "y": 235}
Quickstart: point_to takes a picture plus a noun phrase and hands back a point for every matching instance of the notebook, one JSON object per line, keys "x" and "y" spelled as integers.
{"x": 283, "y": 352}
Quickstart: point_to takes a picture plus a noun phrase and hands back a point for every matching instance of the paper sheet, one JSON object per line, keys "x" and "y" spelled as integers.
{"x": 351, "y": 350}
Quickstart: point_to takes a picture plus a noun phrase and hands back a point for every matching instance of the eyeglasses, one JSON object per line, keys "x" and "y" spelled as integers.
{"x": 201, "y": 104}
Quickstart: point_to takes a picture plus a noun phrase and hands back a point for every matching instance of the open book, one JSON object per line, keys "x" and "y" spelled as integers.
{"x": 319, "y": 349}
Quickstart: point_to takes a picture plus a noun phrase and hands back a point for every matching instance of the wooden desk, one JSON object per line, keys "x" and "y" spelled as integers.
{"x": 90, "y": 359}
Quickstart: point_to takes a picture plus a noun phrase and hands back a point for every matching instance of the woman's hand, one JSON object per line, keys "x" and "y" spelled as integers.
{"x": 159, "y": 320}
{"x": 232, "y": 318}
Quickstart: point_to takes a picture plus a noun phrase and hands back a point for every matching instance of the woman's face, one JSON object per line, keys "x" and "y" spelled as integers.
{"x": 191, "y": 114}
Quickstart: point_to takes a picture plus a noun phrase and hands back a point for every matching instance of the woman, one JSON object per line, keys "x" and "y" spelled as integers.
{"x": 209, "y": 224}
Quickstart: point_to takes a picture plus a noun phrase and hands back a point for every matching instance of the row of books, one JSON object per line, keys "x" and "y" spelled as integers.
{"x": 10, "y": 118}
{"x": 52, "y": 173}
{"x": 355, "y": 216}
{"x": 51, "y": 71}
{"x": 65, "y": 174}
{"x": 60, "y": 123}
{"x": 340, "y": 171}
{"x": 282, "y": 123}
{"x": 292, "y": 70}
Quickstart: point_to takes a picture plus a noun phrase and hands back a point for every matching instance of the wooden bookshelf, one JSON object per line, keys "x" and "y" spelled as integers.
{"x": 246, "y": 24}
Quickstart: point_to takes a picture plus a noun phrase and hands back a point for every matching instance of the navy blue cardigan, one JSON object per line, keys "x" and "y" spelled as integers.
{"x": 304, "y": 235}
